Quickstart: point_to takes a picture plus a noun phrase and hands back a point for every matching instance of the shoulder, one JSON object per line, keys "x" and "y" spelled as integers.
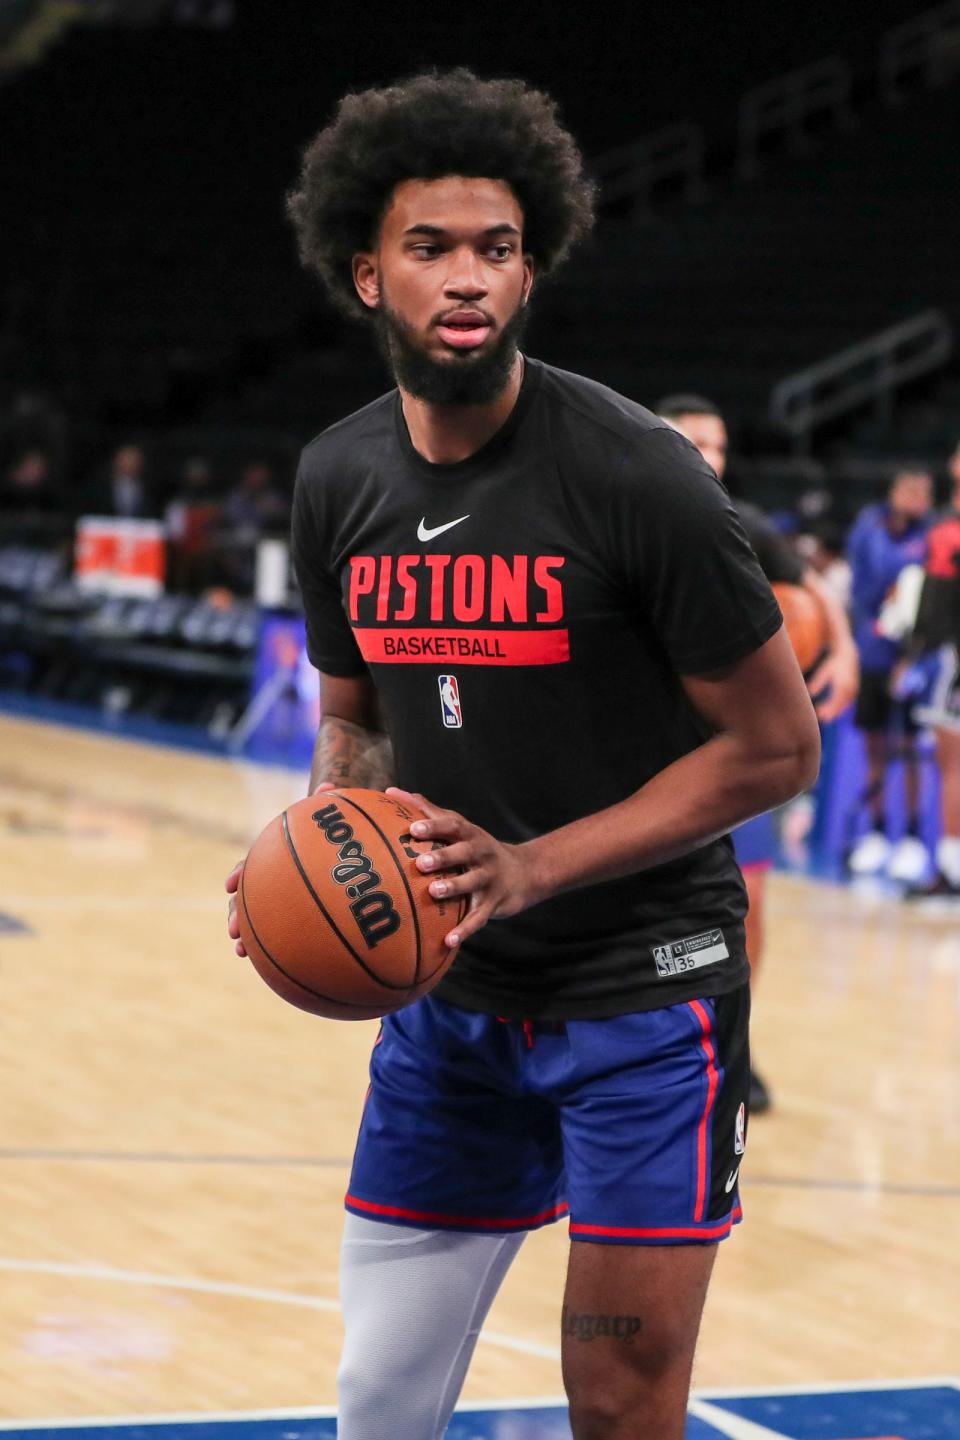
{"x": 593, "y": 418}
{"x": 348, "y": 439}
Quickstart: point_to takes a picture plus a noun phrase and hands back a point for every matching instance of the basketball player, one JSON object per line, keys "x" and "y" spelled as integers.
{"x": 625, "y": 695}
{"x": 834, "y": 681}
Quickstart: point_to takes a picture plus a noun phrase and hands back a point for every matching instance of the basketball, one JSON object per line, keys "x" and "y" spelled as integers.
{"x": 806, "y": 623}
{"x": 334, "y": 913}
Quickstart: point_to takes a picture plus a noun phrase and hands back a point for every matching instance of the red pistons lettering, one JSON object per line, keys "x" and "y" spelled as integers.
{"x": 463, "y": 588}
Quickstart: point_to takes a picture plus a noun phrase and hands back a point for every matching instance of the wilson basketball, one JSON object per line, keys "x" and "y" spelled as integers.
{"x": 334, "y": 913}
{"x": 806, "y": 623}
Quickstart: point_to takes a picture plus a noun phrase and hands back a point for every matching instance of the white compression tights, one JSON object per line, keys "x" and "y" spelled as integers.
{"x": 413, "y": 1305}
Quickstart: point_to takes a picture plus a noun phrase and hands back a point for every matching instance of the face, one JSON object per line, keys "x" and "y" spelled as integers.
{"x": 709, "y": 434}
{"x": 911, "y": 494}
{"x": 448, "y": 283}
{"x": 128, "y": 460}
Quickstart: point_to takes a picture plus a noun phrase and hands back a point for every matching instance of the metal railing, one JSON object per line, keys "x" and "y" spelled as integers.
{"x": 675, "y": 154}
{"x": 927, "y": 47}
{"x": 785, "y": 107}
{"x": 871, "y": 370}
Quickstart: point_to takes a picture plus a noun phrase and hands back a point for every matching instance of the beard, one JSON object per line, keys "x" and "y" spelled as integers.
{"x": 474, "y": 377}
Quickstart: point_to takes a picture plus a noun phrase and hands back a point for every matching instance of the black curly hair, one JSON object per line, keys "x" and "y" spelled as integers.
{"x": 435, "y": 124}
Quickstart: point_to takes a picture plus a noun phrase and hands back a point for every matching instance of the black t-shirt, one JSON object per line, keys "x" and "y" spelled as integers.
{"x": 525, "y": 615}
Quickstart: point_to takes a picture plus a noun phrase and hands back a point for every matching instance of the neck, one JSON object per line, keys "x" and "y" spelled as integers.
{"x": 444, "y": 434}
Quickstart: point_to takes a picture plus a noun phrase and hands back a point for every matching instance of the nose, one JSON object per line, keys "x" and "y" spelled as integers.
{"x": 465, "y": 279}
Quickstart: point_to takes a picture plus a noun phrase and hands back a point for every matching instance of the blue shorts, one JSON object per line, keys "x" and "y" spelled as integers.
{"x": 755, "y": 842}
{"x": 633, "y": 1126}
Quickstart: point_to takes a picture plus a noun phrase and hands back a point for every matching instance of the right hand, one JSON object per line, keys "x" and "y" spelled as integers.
{"x": 232, "y": 885}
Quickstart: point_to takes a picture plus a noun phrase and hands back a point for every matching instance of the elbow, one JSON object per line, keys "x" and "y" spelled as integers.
{"x": 809, "y": 764}
{"x": 805, "y": 762}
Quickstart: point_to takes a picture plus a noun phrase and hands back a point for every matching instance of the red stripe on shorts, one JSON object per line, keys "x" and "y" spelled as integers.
{"x": 676, "y": 1232}
{"x": 523, "y": 1222}
{"x": 713, "y": 1080}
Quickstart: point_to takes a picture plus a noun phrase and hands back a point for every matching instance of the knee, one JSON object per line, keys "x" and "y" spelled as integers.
{"x": 620, "y": 1399}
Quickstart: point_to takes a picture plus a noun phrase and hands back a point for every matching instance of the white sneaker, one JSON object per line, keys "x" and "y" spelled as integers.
{"x": 910, "y": 861}
{"x": 870, "y": 854}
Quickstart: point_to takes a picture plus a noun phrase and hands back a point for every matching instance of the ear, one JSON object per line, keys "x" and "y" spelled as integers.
{"x": 366, "y": 278}
{"x": 528, "y": 278}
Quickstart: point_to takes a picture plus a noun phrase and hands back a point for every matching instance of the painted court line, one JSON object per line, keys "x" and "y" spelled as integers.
{"x": 239, "y": 1292}
{"x": 733, "y": 1426}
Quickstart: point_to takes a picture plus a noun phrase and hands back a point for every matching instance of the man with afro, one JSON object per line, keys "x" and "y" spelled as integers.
{"x": 533, "y": 608}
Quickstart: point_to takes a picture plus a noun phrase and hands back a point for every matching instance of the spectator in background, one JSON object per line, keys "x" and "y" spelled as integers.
{"x": 884, "y": 540}
{"x": 937, "y": 635}
{"x": 29, "y": 485}
{"x": 253, "y": 509}
{"x": 833, "y": 682}
{"x": 821, "y": 545}
{"x": 191, "y": 518}
{"x": 124, "y": 491}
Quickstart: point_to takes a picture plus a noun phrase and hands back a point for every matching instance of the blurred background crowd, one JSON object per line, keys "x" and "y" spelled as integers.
{"x": 777, "y": 230}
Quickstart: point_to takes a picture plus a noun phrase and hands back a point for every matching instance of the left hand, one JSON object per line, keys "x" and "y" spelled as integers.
{"x": 496, "y": 876}
{"x": 840, "y": 669}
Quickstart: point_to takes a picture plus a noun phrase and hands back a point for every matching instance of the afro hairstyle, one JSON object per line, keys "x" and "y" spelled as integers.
{"x": 436, "y": 124}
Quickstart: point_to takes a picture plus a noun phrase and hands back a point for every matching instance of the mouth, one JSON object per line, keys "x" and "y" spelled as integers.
{"x": 464, "y": 329}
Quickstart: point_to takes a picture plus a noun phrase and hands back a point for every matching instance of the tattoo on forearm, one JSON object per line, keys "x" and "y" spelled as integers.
{"x": 349, "y": 754}
{"x": 591, "y": 1327}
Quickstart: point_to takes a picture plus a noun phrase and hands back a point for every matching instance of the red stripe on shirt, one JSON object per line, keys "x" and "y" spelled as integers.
{"x": 425, "y": 646}
{"x": 523, "y": 1222}
{"x": 713, "y": 1080}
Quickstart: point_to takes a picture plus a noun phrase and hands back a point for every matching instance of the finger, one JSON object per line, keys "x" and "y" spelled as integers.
{"x": 448, "y": 858}
{"x": 474, "y": 920}
{"x": 323, "y": 787}
{"x": 828, "y": 709}
{"x": 468, "y": 883}
{"x": 415, "y": 800}
{"x": 233, "y": 925}
{"x": 232, "y": 882}
{"x": 240, "y": 949}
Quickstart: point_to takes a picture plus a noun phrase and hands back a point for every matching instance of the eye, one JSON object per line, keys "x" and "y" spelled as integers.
{"x": 502, "y": 251}
{"x": 425, "y": 250}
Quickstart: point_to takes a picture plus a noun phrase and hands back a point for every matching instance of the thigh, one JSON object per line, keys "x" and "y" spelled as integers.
{"x": 655, "y": 1122}
{"x": 449, "y": 1138}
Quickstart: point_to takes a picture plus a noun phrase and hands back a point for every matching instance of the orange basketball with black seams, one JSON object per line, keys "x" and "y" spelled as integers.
{"x": 334, "y": 913}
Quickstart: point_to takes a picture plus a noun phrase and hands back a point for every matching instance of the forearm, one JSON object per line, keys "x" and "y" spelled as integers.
{"x": 350, "y": 754}
{"x": 701, "y": 796}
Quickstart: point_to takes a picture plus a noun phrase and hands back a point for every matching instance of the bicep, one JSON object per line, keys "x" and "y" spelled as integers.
{"x": 761, "y": 698}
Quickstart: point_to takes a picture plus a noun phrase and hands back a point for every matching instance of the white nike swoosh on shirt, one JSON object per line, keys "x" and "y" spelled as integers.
{"x": 424, "y": 534}
{"x": 732, "y": 1180}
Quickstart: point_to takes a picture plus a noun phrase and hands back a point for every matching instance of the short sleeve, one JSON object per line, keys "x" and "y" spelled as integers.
{"x": 330, "y": 643}
{"x": 686, "y": 559}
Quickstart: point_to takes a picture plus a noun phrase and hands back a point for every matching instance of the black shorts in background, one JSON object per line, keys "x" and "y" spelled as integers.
{"x": 876, "y": 708}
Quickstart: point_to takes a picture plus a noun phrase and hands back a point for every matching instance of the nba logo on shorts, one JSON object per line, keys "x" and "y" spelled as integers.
{"x": 740, "y": 1137}
{"x": 450, "y": 702}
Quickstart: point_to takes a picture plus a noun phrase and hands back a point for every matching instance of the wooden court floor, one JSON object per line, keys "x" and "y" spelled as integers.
{"x": 175, "y": 1140}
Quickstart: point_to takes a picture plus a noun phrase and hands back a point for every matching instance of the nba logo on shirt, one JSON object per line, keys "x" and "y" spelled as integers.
{"x": 450, "y": 702}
